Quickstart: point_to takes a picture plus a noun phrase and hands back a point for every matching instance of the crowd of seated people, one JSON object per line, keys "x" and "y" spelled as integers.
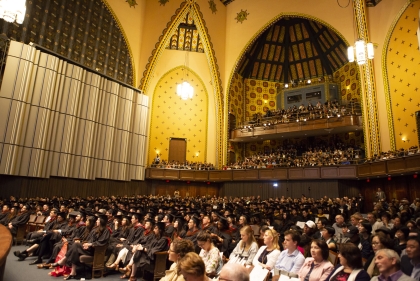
{"x": 300, "y": 113}
{"x": 187, "y": 165}
{"x": 217, "y": 234}
{"x": 320, "y": 155}
{"x": 394, "y": 154}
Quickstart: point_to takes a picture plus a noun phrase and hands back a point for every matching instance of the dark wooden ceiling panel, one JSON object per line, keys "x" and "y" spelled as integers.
{"x": 294, "y": 48}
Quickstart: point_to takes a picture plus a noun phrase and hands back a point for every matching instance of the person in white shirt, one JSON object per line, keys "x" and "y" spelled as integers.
{"x": 291, "y": 259}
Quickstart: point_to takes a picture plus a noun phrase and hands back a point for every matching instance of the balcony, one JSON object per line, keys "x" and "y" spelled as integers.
{"x": 397, "y": 166}
{"x": 271, "y": 128}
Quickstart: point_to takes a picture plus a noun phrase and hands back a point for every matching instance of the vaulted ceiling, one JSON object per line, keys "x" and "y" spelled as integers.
{"x": 293, "y": 49}
{"x": 369, "y": 3}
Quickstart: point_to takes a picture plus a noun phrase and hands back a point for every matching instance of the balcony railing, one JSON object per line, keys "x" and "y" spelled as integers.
{"x": 403, "y": 165}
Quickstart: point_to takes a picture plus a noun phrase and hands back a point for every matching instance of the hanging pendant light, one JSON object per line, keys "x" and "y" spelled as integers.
{"x": 185, "y": 90}
{"x": 364, "y": 51}
{"x": 13, "y": 10}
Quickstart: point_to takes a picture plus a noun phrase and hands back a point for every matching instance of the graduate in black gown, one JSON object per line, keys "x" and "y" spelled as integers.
{"x": 99, "y": 236}
{"x": 21, "y": 219}
{"x": 144, "y": 255}
{"x": 125, "y": 256}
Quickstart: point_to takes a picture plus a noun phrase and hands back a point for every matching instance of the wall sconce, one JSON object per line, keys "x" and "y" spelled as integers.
{"x": 196, "y": 154}
{"x": 309, "y": 81}
{"x": 286, "y": 86}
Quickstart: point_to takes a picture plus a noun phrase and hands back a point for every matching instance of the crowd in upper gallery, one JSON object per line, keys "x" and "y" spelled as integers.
{"x": 302, "y": 113}
{"x": 208, "y": 237}
{"x": 287, "y": 156}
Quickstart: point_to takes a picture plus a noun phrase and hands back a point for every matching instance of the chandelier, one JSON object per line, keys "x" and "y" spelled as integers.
{"x": 364, "y": 51}
{"x": 185, "y": 90}
{"x": 13, "y": 10}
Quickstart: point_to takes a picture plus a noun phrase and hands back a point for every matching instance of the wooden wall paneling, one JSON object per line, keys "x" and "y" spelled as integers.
{"x": 347, "y": 171}
{"x": 329, "y": 172}
{"x": 396, "y": 165}
{"x": 202, "y": 175}
{"x": 378, "y": 168}
{"x": 156, "y": 173}
{"x": 280, "y": 174}
{"x": 294, "y": 189}
{"x": 171, "y": 174}
{"x": 244, "y": 175}
{"x": 296, "y": 173}
{"x": 186, "y": 175}
{"x": 311, "y": 173}
{"x": 220, "y": 175}
{"x": 266, "y": 174}
{"x": 349, "y": 188}
{"x": 364, "y": 170}
{"x": 413, "y": 163}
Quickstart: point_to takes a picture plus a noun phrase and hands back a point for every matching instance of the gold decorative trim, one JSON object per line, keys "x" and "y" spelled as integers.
{"x": 252, "y": 40}
{"x": 180, "y": 13}
{"x": 133, "y": 83}
{"x": 372, "y": 128}
{"x": 206, "y": 113}
{"x": 385, "y": 74}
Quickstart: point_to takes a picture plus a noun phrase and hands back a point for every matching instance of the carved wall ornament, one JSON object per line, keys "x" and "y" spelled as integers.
{"x": 242, "y": 16}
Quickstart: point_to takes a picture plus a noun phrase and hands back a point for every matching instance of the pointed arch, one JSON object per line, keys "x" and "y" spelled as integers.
{"x": 385, "y": 74}
{"x": 251, "y": 42}
{"x": 194, "y": 9}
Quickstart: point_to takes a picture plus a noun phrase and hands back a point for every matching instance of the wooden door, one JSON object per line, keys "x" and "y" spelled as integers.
{"x": 177, "y": 150}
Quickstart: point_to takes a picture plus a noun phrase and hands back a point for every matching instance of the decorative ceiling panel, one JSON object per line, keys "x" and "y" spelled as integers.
{"x": 293, "y": 49}
{"x": 186, "y": 37}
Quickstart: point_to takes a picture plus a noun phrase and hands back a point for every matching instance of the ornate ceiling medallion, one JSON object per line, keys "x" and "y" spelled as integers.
{"x": 163, "y": 2}
{"x": 132, "y": 3}
{"x": 241, "y": 16}
{"x": 212, "y": 6}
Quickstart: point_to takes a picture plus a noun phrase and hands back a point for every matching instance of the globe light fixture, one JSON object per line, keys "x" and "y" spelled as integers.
{"x": 185, "y": 90}
{"x": 13, "y": 10}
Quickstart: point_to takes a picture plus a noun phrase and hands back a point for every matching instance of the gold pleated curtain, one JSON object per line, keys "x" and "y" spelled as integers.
{"x": 59, "y": 119}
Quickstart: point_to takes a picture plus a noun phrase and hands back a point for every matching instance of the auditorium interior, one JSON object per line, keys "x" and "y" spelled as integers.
{"x": 211, "y": 97}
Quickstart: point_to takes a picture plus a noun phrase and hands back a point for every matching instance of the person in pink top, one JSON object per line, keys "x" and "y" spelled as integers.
{"x": 317, "y": 267}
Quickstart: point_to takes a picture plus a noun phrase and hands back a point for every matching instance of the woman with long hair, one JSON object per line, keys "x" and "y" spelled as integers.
{"x": 209, "y": 253}
{"x": 122, "y": 226}
{"x": 267, "y": 255}
{"x": 247, "y": 247}
{"x": 317, "y": 267}
{"x": 177, "y": 250}
{"x": 350, "y": 267}
{"x": 178, "y": 228}
{"x": 9, "y": 216}
{"x": 99, "y": 236}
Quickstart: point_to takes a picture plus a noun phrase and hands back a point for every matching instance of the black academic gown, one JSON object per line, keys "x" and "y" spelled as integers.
{"x": 145, "y": 260}
{"x": 47, "y": 241}
{"x": 70, "y": 235}
{"x": 19, "y": 220}
{"x": 97, "y": 239}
